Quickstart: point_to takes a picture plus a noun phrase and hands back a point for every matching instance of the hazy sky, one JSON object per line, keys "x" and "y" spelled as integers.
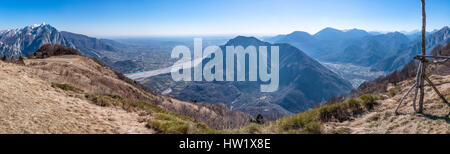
{"x": 186, "y": 17}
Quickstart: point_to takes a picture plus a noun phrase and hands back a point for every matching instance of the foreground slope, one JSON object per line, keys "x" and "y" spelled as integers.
{"x": 370, "y": 108}
{"x": 76, "y": 94}
{"x": 382, "y": 119}
{"x": 30, "y": 104}
{"x": 369, "y": 114}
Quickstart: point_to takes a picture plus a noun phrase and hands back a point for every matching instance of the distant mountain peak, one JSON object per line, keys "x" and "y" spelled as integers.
{"x": 297, "y": 36}
{"x": 26, "y": 39}
{"x": 396, "y": 33}
{"x": 300, "y": 33}
{"x": 38, "y": 25}
{"x": 332, "y": 33}
{"x": 240, "y": 37}
{"x": 244, "y": 41}
{"x": 328, "y": 30}
{"x": 355, "y": 30}
{"x": 446, "y": 28}
{"x": 34, "y": 26}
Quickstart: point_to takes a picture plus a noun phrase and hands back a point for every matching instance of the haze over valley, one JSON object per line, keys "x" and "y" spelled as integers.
{"x": 224, "y": 67}
{"x": 333, "y": 61}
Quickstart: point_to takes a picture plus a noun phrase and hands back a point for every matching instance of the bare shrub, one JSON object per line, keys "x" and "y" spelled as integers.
{"x": 48, "y": 50}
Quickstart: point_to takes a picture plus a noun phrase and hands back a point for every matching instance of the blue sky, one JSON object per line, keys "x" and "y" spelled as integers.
{"x": 211, "y": 17}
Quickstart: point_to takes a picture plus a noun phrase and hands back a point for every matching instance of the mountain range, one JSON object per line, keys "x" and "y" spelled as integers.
{"x": 65, "y": 92}
{"x": 382, "y": 52}
{"x": 69, "y": 93}
{"x": 319, "y": 44}
{"x": 304, "y": 82}
{"x": 123, "y": 57}
{"x": 404, "y": 53}
{"x": 15, "y": 42}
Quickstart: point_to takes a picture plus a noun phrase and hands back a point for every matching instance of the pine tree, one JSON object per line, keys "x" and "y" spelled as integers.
{"x": 21, "y": 60}
{"x": 259, "y": 119}
{"x": 4, "y": 58}
{"x": 30, "y": 55}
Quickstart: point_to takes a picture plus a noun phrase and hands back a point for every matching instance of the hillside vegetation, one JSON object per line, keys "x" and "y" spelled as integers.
{"x": 370, "y": 108}
{"x": 368, "y": 114}
{"x": 75, "y": 94}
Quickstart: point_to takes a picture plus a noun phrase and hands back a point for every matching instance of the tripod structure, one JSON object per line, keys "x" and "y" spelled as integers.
{"x": 421, "y": 76}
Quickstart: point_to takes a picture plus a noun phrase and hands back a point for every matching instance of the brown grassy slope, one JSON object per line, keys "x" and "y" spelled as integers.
{"x": 382, "y": 119}
{"x": 376, "y": 116}
{"x": 31, "y": 105}
{"x": 76, "y": 94}
{"x": 435, "y": 118}
{"x": 93, "y": 77}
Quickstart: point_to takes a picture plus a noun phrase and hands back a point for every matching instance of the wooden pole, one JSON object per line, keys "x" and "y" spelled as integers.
{"x": 417, "y": 86}
{"x": 424, "y": 23}
{"x": 422, "y": 74}
{"x": 436, "y": 90}
{"x": 404, "y": 96}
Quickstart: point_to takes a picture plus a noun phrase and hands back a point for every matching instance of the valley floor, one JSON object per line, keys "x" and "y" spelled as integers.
{"x": 353, "y": 73}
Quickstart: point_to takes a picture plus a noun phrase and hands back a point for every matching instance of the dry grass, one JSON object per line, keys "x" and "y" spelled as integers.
{"x": 346, "y": 110}
{"x": 104, "y": 102}
{"x": 158, "y": 119}
{"x": 368, "y": 114}
{"x": 68, "y": 87}
{"x": 394, "y": 91}
{"x": 31, "y": 105}
{"x": 311, "y": 121}
{"x": 382, "y": 120}
{"x": 74, "y": 94}
{"x": 94, "y": 78}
